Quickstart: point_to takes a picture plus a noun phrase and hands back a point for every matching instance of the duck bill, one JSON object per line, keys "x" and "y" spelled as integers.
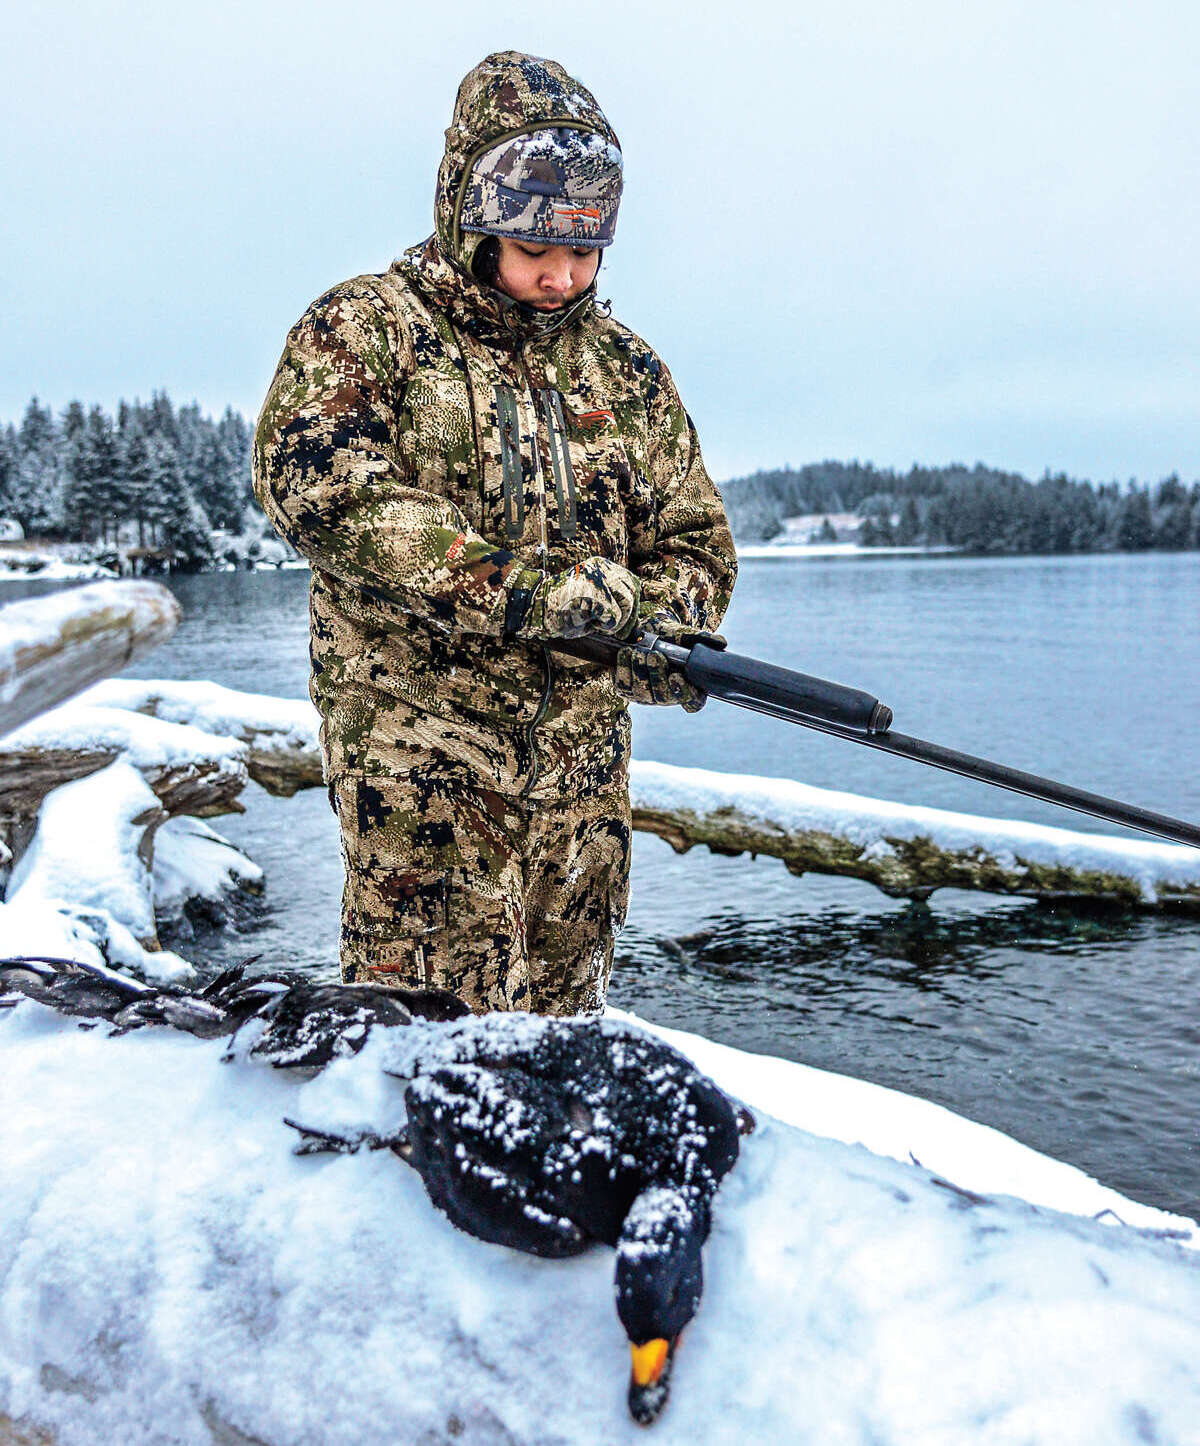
{"x": 650, "y": 1379}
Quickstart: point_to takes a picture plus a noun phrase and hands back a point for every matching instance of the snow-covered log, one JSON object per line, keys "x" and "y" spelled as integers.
{"x": 52, "y": 647}
{"x": 106, "y": 868}
{"x": 198, "y": 875}
{"x": 280, "y": 733}
{"x": 192, "y": 771}
{"x": 171, "y": 1272}
{"x": 94, "y": 849}
{"x": 906, "y": 850}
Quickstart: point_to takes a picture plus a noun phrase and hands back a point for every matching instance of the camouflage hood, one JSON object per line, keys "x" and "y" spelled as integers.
{"x": 506, "y": 95}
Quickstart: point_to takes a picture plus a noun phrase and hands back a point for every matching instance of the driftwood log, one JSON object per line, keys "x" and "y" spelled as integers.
{"x": 907, "y": 852}
{"x": 192, "y": 772}
{"x": 280, "y": 734}
{"x": 53, "y": 647}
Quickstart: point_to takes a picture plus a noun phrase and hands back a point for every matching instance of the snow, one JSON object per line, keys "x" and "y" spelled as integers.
{"x": 880, "y": 1270}
{"x": 146, "y": 743}
{"x": 171, "y": 1272}
{"x": 194, "y": 862}
{"x": 780, "y": 803}
{"x": 292, "y": 723}
{"x": 20, "y": 566}
{"x": 910, "y": 1129}
{"x": 86, "y": 863}
{"x": 85, "y": 850}
{"x": 42, "y": 623}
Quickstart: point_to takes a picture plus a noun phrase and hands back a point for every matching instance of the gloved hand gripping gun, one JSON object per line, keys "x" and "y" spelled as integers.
{"x": 849, "y": 713}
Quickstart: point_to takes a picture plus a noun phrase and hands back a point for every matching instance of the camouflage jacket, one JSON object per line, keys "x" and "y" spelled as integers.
{"x": 432, "y": 454}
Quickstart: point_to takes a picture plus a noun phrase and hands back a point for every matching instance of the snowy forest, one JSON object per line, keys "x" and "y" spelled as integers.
{"x": 976, "y": 509}
{"x": 154, "y": 477}
{"x": 174, "y": 481}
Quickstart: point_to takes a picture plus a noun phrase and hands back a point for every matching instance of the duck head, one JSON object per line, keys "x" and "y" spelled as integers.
{"x": 659, "y": 1282}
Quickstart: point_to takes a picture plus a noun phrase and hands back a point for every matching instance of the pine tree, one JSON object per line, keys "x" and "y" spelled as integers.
{"x": 1134, "y": 524}
{"x": 237, "y": 440}
{"x": 138, "y": 477}
{"x": 181, "y": 522}
{"x": 37, "y": 486}
{"x": 908, "y": 529}
{"x": 8, "y": 468}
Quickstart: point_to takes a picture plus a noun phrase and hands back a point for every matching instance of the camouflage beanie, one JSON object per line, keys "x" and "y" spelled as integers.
{"x": 559, "y": 187}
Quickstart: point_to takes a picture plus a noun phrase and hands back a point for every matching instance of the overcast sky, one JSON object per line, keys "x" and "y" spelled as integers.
{"x": 934, "y": 231}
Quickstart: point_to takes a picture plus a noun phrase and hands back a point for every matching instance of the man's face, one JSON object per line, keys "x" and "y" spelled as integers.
{"x": 546, "y": 276}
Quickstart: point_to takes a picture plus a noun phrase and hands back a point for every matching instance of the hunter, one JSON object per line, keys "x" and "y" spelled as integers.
{"x": 479, "y": 462}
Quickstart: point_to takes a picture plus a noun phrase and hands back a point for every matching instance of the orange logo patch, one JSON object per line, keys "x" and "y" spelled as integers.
{"x": 569, "y": 218}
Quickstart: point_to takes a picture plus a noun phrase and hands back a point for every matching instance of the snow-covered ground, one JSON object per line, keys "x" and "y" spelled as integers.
{"x": 171, "y": 1273}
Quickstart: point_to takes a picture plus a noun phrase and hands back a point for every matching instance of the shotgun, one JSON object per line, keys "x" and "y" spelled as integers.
{"x": 852, "y": 714}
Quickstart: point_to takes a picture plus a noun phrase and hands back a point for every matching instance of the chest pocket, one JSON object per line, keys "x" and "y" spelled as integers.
{"x": 437, "y": 410}
{"x": 549, "y": 466}
{"x": 611, "y": 492}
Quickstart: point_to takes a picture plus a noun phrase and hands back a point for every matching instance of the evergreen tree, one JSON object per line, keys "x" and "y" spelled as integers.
{"x": 908, "y": 529}
{"x": 160, "y": 419}
{"x": 237, "y": 440}
{"x": 138, "y": 477}
{"x": 181, "y": 522}
{"x": 8, "y": 468}
{"x": 1134, "y": 524}
{"x": 37, "y": 485}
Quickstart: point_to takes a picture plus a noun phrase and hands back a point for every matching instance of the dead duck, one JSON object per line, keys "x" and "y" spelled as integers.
{"x": 549, "y": 1135}
{"x": 542, "y": 1135}
{"x": 281, "y": 1019}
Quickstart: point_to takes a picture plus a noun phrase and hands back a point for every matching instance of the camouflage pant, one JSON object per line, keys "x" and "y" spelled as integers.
{"x": 508, "y": 904}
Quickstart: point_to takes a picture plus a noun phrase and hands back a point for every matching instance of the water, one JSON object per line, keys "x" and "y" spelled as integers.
{"x": 1074, "y": 1032}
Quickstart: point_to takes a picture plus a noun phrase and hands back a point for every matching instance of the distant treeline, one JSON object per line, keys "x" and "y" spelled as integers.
{"x": 154, "y": 474}
{"x": 166, "y": 477}
{"x": 977, "y": 508}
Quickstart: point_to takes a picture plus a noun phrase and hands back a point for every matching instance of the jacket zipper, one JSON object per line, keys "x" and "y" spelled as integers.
{"x": 535, "y": 766}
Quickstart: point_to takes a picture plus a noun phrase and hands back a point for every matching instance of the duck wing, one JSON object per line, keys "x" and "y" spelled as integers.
{"x": 481, "y": 1141}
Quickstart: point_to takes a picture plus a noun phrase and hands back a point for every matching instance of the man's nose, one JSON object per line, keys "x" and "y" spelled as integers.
{"x": 557, "y": 276}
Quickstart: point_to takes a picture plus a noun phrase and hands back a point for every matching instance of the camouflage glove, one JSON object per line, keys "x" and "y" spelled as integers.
{"x": 594, "y": 596}
{"x": 646, "y": 677}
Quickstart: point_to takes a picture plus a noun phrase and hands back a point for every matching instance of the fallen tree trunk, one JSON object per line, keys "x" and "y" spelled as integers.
{"x": 906, "y": 851}
{"x": 280, "y": 734}
{"x": 192, "y": 772}
{"x": 53, "y": 647}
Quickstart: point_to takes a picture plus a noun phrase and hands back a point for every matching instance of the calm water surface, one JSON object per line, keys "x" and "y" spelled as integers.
{"x": 1077, "y": 1033}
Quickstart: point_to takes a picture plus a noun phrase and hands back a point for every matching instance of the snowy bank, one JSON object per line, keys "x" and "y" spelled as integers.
{"x": 22, "y": 564}
{"x": 170, "y": 1272}
{"x": 106, "y": 869}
